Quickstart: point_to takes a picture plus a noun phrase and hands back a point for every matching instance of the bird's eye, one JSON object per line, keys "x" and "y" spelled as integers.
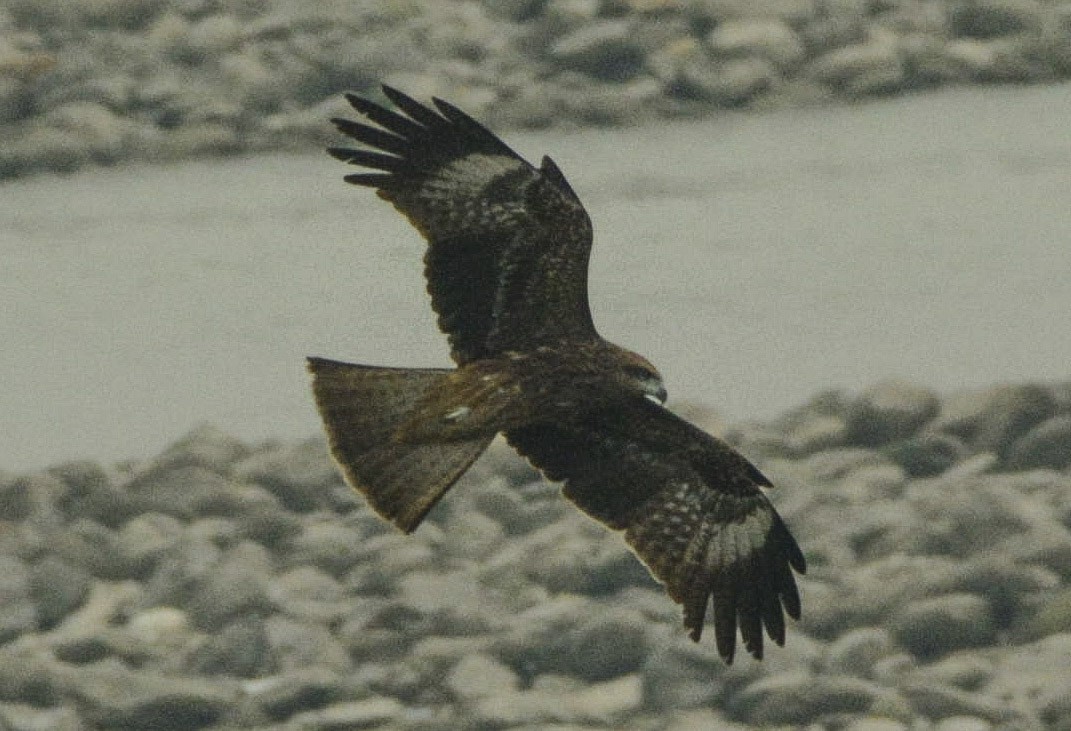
{"x": 639, "y": 372}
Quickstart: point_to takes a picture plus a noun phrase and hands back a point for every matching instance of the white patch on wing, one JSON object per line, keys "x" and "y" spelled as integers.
{"x": 471, "y": 173}
{"x": 459, "y": 193}
{"x": 458, "y": 414}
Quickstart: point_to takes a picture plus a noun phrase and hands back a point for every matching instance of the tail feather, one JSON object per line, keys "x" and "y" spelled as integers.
{"x": 362, "y": 408}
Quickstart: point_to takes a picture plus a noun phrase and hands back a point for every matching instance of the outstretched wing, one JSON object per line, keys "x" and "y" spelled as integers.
{"x": 692, "y": 510}
{"x": 508, "y": 243}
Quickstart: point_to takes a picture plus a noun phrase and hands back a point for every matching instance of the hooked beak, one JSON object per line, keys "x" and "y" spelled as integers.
{"x": 656, "y": 392}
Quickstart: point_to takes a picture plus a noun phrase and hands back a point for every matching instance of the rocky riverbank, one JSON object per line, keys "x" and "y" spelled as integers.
{"x": 99, "y": 81}
{"x": 223, "y": 585}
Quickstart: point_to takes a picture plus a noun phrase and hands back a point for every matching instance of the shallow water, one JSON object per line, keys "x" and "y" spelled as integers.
{"x": 754, "y": 259}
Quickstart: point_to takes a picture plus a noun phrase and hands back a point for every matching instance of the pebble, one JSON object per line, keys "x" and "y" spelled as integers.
{"x": 260, "y": 599}
{"x": 168, "y": 81}
{"x": 937, "y": 626}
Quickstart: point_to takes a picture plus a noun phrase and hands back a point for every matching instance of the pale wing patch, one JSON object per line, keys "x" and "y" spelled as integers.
{"x": 458, "y": 414}
{"x": 472, "y": 173}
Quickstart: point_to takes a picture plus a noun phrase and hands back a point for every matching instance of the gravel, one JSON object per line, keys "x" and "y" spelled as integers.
{"x": 224, "y": 585}
{"x": 88, "y": 82}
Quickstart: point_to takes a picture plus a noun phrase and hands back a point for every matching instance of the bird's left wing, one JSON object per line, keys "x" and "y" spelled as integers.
{"x": 508, "y": 243}
{"x": 692, "y": 511}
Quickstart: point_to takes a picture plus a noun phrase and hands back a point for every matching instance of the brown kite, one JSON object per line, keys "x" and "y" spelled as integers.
{"x": 506, "y": 267}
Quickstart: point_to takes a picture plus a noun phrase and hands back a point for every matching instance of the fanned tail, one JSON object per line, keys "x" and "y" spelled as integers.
{"x": 362, "y": 408}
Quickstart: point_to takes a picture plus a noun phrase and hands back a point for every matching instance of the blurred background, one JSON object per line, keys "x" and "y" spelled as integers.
{"x": 790, "y": 196}
{"x": 839, "y": 228}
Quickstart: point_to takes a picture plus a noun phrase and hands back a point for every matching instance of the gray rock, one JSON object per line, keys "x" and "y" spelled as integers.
{"x": 330, "y": 543}
{"x": 701, "y": 718}
{"x": 23, "y": 717}
{"x": 1056, "y": 709}
{"x": 92, "y": 546}
{"x": 240, "y": 649}
{"x": 854, "y": 653}
{"x": 1033, "y": 671}
{"x": 963, "y": 723}
{"x": 575, "y": 636}
{"x": 183, "y": 492}
{"x": 162, "y": 626}
{"x": 145, "y": 539}
{"x": 933, "y": 627}
{"x": 731, "y": 82}
{"x": 602, "y": 103}
{"x": 609, "y": 701}
{"x": 367, "y": 713}
{"x": 602, "y": 49}
{"x": 771, "y": 39}
{"x": 1052, "y": 617}
{"x": 876, "y": 724}
{"x": 837, "y": 463}
{"x": 298, "y": 645}
{"x": 793, "y": 12}
{"x": 111, "y": 695}
{"x": 18, "y": 611}
{"x": 103, "y": 133}
{"x": 937, "y": 701}
{"x": 818, "y": 433}
{"x": 682, "y": 674}
{"x": 873, "y": 67}
{"x": 966, "y": 670}
{"x": 799, "y": 698}
{"x": 90, "y": 628}
{"x": 307, "y": 593}
{"x": 220, "y": 532}
{"x": 573, "y": 555}
{"x": 239, "y": 582}
{"x": 27, "y": 672}
{"x": 448, "y": 603}
{"x": 58, "y": 588}
{"x": 38, "y": 148}
{"x": 180, "y": 570}
{"x": 1047, "y": 445}
{"x": 610, "y": 643}
{"x": 470, "y": 534}
{"x": 993, "y": 419}
{"x": 261, "y": 517}
{"x": 478, "y": 676}
{"x": 203, "y": 446}
{"x": 301, "y": 476}
{"x": 516, "y": 11}
{"x": 34, "y": 497}
{"x": 92, "y": 492}
{"x": 301, "y": 689}
{"x": 927, "y": 453}
{"x": 995, "y": 18}
{"x": 601, "y": 703}
{"x": 890, "y": 411}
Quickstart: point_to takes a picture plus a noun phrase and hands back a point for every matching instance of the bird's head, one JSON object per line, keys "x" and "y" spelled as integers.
{"x": 637, "y": 374}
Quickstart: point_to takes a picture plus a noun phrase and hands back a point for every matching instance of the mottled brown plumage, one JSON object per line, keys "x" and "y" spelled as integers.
{"x": 506, "y": 265}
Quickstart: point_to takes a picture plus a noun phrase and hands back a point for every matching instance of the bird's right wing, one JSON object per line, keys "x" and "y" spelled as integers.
{"x": 692, "y": 511}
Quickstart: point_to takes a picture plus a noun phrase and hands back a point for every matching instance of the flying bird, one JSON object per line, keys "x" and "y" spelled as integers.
{"x": 506, "y": 268}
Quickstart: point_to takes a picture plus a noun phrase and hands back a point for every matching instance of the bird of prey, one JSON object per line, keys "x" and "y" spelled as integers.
{"x": 506, "y": 268}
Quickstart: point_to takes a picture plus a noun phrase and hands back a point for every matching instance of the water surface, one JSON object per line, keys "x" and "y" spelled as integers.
{"x": 756, "y": 259}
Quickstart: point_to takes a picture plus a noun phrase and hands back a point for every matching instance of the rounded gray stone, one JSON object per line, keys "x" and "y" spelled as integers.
{"x": 937, "y": 626}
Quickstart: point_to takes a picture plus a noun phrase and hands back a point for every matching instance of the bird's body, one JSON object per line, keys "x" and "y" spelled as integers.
{"x": 507, "y": 273}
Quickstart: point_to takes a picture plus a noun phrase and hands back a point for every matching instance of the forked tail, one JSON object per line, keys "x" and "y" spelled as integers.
{"x": 362, "y": 408}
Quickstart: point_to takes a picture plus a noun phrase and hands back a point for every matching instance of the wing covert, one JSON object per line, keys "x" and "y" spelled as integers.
{"x": 509, "y": 243}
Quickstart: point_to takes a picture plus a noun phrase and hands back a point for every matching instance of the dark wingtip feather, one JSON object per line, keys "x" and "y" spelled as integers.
{"x": 416, "y": 111}
{"x": 372, "y": 180}
{"x": 341, "y": 153}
